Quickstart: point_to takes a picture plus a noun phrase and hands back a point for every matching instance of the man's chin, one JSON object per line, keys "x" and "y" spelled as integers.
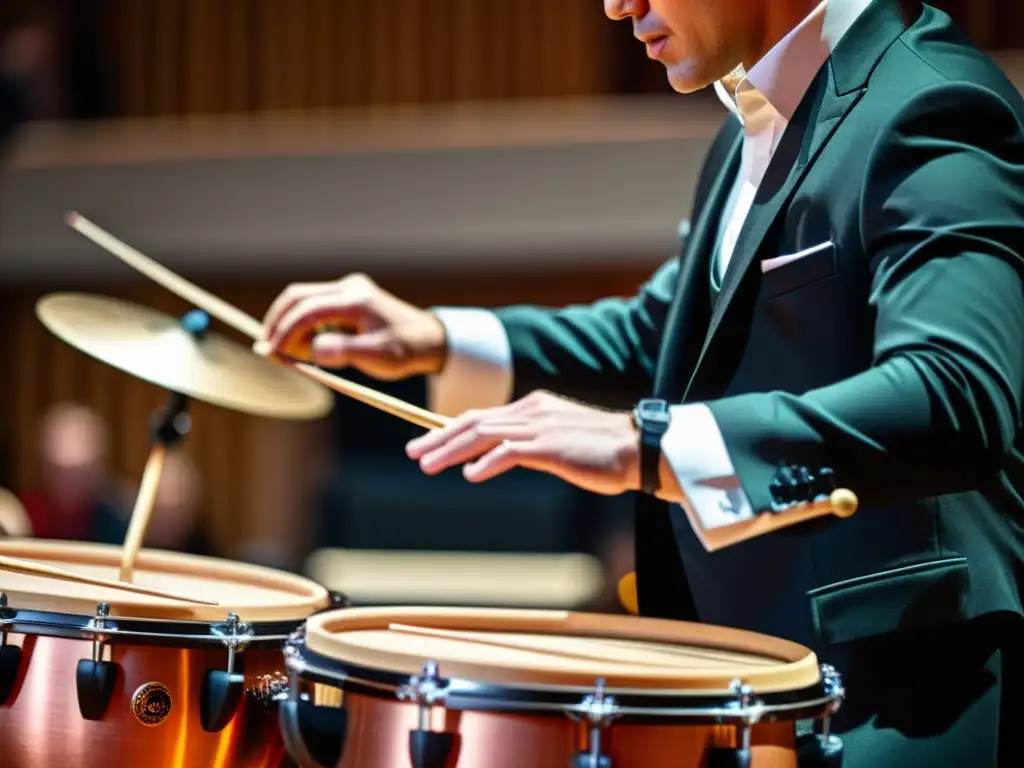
{"x": 685, "y": 82}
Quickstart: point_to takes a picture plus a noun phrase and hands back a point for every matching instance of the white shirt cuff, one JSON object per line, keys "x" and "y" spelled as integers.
{"x": 478, "y": 370}
{"x": 695, "y": 450}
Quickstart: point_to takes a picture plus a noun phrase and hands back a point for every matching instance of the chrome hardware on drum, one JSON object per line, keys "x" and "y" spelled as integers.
{"x": 94, "y": 678}
{"x": 476, "y": 688}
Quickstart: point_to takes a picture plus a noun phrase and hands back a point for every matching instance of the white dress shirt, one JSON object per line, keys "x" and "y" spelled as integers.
{"x": 478, "y": 373}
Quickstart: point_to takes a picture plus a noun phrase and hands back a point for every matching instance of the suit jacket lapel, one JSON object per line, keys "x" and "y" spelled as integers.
{"x": 796, "y": 152}
{"x": 690, "y": 306}
{"x": 838, "y": 87}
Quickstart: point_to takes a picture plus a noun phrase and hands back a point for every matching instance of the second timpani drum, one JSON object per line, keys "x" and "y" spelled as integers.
{"x": 471, "y": 688}
{"x": 92, "y": 677}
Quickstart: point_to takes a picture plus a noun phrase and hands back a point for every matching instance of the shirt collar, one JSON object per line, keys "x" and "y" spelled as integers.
{"x": 784, "y": 74}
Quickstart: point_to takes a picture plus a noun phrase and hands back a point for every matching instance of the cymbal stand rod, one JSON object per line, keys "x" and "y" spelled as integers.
{"x": 142, "y": 511}
{"x": 170, "y": 426}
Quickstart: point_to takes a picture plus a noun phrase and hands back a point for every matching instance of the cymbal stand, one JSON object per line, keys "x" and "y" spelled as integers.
{"x": 168, "y": 428}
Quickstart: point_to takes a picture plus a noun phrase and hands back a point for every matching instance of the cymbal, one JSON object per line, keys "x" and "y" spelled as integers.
{"x": 157, "y": 348}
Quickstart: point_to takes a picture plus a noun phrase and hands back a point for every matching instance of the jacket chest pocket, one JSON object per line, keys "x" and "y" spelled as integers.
{"x": 790, "y": 272}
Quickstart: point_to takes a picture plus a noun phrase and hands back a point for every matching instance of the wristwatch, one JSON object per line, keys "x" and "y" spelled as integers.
{"x": 652, "y": 419}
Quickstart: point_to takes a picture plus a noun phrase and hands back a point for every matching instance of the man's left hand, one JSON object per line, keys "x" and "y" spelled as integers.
{"x": 594, "y": 449}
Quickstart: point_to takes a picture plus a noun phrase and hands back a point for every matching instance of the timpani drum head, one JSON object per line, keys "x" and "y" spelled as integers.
{"x": 545, "y": 649}
{"x": 254, "y": 593}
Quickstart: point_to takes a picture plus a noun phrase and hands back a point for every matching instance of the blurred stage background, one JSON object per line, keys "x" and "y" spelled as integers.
{"x": 460, "y": 151}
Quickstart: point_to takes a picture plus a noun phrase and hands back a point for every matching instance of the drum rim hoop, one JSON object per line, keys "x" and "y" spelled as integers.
{"x": 118, "y": 630}
{"x": 808, "y": 702}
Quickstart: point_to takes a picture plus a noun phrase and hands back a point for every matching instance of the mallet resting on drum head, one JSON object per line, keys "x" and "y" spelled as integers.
{"x": 29, "y": 568}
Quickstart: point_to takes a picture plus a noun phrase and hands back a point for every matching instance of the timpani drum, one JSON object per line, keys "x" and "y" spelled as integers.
{"x": 472, "y": 688}
{"x": 92, "y": 677}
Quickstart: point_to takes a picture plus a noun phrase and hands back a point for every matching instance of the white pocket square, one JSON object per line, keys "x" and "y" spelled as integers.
{"x": 780, "y": 261}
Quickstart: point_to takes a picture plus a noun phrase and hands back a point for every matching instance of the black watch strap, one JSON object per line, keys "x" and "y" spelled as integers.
{"x": 652, "y": 419}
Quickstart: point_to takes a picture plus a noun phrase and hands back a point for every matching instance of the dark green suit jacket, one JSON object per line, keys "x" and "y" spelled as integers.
{"x": 894, "y": 358}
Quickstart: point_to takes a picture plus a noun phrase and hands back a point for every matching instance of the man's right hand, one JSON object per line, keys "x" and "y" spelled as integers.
{"x": 353, "y": 322}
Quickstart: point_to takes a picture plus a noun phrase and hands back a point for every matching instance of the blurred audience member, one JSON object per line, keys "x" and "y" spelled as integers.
{"x": 13, "y": 517}
{"x": 74, "y": 500}
{"x": 54, "y": 62}
{"x": 30, "y": 65}
{"x": 29, "y": 79}
{"x": 174, "y": 524}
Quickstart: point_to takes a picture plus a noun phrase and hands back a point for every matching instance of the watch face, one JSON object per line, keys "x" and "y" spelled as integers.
{"x": 655, "y": 411}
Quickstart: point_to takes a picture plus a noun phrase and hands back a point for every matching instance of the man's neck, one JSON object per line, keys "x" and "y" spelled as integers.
{"x": 780, "y": 18}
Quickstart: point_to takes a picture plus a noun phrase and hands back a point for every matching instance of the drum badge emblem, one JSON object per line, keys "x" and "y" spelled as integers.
{"x": 151, "y": 704}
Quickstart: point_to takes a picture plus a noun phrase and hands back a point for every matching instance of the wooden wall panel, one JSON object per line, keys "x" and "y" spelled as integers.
{"x": 220, "y": 56}
{"x": 256, "y": 472}
{"x": 217, "y": 56}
